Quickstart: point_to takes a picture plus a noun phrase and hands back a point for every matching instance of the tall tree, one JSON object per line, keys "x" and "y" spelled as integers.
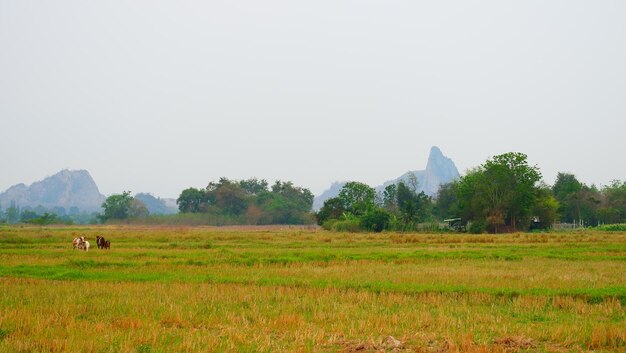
{"x": 614, "y": 205}
{"x": 191, "y": 200}
{"x": 447, "y": 201}
{"x": 565, "y": 185}
{"x": 413, "y": 207}
{"x": 357, "y": 198}
{"x": 117, "y": 206}
{"x": 501, "y": 192}
{"x": 390, "y": 198}
{"x": 287, "y": 204}
{"x": 231, "y": 198}
{"x": 545, "y": 209}
{"x": 473, "y": 203}
{"x": 513, "y": 186}
{"x": 333, "y": 209}
{"x": 583, "y": 205}
{"x": 302, "y": 198}
{"x": 564, "y": 188}
{"x": 254, "y": 186}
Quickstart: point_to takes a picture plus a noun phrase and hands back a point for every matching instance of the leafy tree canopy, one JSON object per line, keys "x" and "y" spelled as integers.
{"x": 191, "y": 200}
{"x": 357, "y": 198}
{"x": 117, "y": 206}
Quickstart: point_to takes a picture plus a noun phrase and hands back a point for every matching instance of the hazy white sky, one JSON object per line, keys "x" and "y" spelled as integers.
{"x": 158, "y": 96}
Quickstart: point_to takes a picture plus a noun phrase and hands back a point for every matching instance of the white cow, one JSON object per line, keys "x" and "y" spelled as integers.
{"x": 81, "y": 244}
{"x": 77, "y": 242}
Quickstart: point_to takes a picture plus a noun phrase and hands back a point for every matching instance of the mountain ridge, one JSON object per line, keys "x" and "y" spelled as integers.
{"x": 439, "y": 170}
{"x": 67, "y": 188}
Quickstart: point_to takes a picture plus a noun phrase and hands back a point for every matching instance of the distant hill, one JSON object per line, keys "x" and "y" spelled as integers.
{"x": 67, "y": 188}
{"x": 439, "y": 170}
{"x": 156, "y": 205}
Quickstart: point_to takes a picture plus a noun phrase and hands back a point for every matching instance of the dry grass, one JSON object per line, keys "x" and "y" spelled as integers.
{"x": 299, "y": 290}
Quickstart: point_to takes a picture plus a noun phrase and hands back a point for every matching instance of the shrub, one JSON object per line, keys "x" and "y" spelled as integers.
{"x": 329, "y": 224}
{"x": 477, "y": 227}
{"x": 375, "y": 220}
{"x": 612, "y": 227}
{"x": 352, "y": 225}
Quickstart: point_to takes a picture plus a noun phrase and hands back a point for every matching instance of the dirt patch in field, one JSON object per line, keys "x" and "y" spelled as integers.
{"x": 514, "y": 343}
{"x": 389, "y": 344}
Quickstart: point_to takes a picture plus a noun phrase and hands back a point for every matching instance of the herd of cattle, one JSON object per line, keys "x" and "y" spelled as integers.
{"x": 81, "y": 243}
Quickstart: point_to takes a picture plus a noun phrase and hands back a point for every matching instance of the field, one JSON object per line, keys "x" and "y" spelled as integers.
{"x": 307, "y": 290}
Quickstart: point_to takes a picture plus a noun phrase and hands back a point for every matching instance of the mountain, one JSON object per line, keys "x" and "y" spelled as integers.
{"x": 439, "y": 170}
{"x": 67, "y": 188}
{"x": 156, "y": 205}
{"x": 318, "y": 201}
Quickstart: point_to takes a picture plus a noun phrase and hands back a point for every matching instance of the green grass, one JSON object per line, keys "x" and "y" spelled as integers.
{"x": 294, "y": 289}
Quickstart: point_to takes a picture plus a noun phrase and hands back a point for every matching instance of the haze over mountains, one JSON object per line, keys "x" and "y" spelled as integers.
{"x": 67, "y": 189}
{"x": 76, "y": 188}
{"x": 439, "y": 170}
{"x": 72, "y": 189}
{"x": 157, "y": 205}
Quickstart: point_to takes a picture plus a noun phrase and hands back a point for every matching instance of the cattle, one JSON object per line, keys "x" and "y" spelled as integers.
{"x": 103, "y": 243}
{"x": 100, "y": 242}
{"x": 80, "y": 243}
{"x": 84, "y": 246}
{"x": 77, "y": 242}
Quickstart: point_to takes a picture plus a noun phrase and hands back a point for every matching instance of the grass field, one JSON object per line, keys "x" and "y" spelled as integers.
{"x": 306, "y": 290}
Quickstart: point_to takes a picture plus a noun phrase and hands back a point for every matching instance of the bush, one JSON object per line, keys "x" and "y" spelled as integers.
{"x": 329, "y": 224}
{"x": 477, "y": 227}
{"x": 352, "y": 225}
{"x": 612, "y": 227}
{"x": 375, "y": 220}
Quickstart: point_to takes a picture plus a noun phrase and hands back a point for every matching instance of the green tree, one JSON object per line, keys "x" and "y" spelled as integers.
{"x": 609, "y": 215}
{"x": 357, "y": 198}
{"x": 501, "y": 193}
{"x": 48, "y": 218}
{"x": 447, "y": 201}
{"x": 301, "y": 198}
{"x": 333, "y": 209}
{"x": 117, "y": 206}
{"x": 254, "y": 186}
{"x": 250, "y": 201}
{"x": 545, "y": 209}
{"x": 514, "y": 186}
{"x": 191, "y": 200}
{"x": 413, "y": 208}
{"x": 565, "y": 186}
{"x": 614, "y": 208}
{"x": 584, "y": 204}
{"x": 286, "y": 203}
{"x": 472, "y": 202}
{"x": 228, "y": 196}
{"x": 390, "y": 198}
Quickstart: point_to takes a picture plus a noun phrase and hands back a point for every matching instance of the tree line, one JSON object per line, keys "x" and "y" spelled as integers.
{"x": 505, "y": 194}
{"x": 44, "y": 216}
{"x": 251, "y": 201}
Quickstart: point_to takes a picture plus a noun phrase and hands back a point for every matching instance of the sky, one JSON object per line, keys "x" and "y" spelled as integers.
{"x": 158, "y": 96}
